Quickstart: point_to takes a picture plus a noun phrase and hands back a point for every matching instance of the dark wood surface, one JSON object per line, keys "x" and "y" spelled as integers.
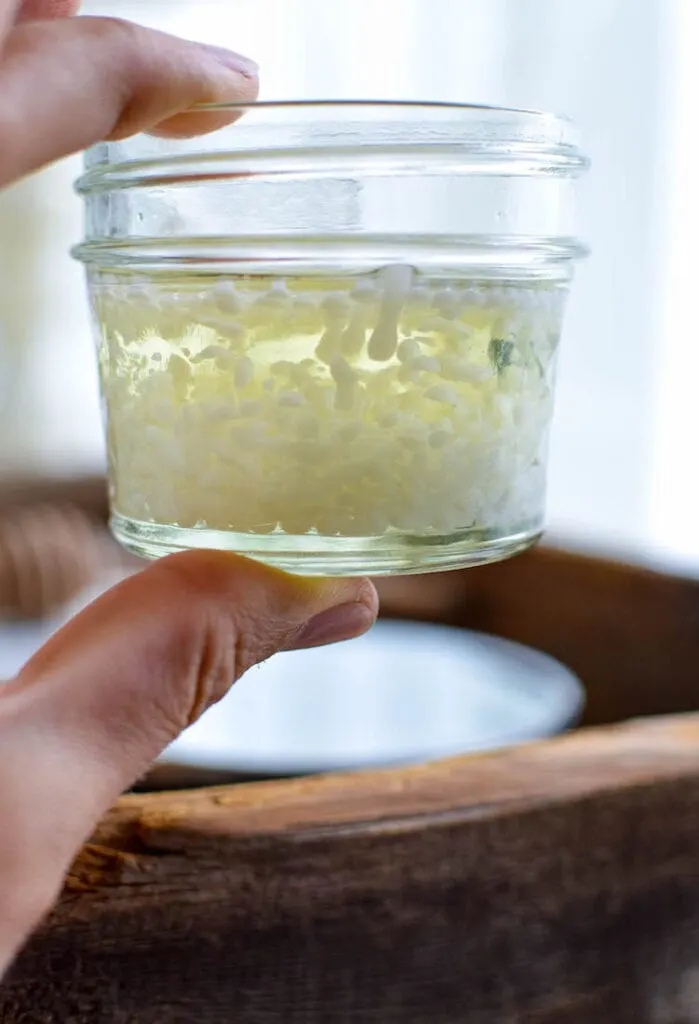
{"x": 554, "y": 883}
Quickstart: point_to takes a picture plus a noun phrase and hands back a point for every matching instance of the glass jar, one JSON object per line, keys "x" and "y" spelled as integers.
{"x": 327, "y": 333}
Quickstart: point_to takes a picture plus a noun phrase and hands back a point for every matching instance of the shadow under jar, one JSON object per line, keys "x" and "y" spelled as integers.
{"x": 327, "y": 332}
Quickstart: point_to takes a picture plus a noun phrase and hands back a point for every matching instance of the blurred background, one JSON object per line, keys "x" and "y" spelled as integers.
{"x": 623, "y": 477}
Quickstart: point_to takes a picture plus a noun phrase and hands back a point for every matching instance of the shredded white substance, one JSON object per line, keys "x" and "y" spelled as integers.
{"x": 342, "y": 408}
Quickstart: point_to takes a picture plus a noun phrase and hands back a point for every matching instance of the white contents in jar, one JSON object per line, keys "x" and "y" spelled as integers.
{"x": 350, "y": 407}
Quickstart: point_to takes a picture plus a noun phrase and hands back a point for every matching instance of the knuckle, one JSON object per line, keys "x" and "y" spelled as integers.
{"x": 213, "y": 667}
{"x": 115, "y": 30}
{"x": 221, "y": 624}
{"x": 258, "y": 640}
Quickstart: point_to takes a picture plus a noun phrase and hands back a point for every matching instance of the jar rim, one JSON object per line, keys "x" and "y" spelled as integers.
{"x": 454, "y": 105}
{"x": 254, "y": 137}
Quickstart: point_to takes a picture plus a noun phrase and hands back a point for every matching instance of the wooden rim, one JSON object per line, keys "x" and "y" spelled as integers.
{"x": 569, "y": 768}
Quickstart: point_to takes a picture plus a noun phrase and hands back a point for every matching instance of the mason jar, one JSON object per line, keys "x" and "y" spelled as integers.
{"x": 327, "y": 332}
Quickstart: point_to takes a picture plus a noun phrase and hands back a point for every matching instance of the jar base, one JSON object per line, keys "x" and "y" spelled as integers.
{"x": 393, "y": 554}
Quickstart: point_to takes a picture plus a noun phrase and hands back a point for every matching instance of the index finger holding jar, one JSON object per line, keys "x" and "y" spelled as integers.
{"x": 34, "y": 10}
{"x": 327, "y": 336}
{"x": 105, "y": 78}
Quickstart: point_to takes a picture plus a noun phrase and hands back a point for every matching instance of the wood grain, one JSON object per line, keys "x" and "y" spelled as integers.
{"x": 553, "y": 883}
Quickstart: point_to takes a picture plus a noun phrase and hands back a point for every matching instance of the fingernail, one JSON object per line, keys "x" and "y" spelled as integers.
{"x": 341, "y": 623}
{"x": 233, "y": 61}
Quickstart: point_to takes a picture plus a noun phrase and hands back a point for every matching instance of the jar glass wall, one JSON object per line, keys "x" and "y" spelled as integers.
{"x": 327, "y": 332}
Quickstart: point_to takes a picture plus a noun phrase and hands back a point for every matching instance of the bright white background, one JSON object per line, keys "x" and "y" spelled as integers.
{"x": 623, "y": 468}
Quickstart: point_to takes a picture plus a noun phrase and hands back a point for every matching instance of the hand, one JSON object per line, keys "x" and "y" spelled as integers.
{"x": 66, "y": 83}
{"x": 95, "y": 706}
{"x": 98, "y": 703}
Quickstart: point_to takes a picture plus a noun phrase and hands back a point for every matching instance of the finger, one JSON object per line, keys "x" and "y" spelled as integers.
{"x": 8, "y": 11}
{"x": 97, "y": 704}
{"x": 13, "y": 11}
{"x": 102, "y": 78}
{"x": 31, "y": 10}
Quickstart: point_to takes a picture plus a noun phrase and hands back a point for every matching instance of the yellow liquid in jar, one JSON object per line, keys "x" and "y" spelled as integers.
{"x": 353, "y": 424}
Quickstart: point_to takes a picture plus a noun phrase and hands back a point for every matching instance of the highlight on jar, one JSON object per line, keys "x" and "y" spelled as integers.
{"x": 332, "y": 414}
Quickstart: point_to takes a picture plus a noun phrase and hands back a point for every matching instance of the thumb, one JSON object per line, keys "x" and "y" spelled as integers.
{"x": 111, "y": 689}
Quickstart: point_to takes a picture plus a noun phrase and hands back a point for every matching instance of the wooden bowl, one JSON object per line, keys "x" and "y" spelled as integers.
{"x": 556, "y": 882}
{"x": 553, "y": 883}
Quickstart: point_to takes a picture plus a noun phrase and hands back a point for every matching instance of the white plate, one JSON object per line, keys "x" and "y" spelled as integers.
{"x": 406, "y": 692}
